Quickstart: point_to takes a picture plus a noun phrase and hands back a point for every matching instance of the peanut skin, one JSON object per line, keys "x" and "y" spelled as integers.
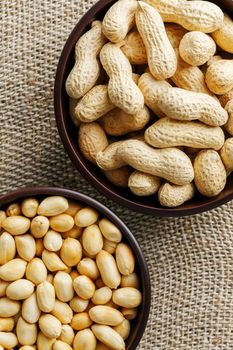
{"x": 86, "y": 70}
{"x": 170, "y": 195}
{"x": 188, "y": 105}
{"x": 122, "y": 90}
{"x": 168, "y": 132}
{"x": 210, "y": 174}
{"x": 119, "y": 19}
{"x": 160, "y": 53}
{"x": 192, "y": 15}
{"x": 170, "y": 163}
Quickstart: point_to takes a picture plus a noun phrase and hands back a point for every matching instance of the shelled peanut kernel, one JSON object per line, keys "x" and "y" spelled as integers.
{"x": 67, "y": 297}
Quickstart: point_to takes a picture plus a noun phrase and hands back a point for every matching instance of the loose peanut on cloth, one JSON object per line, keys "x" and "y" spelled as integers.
{"x": 168, "y": 132}
{"x": 196, "y": 48}
{"x": 199, "y": 15}
{"x": 161, "y": 56}
{"x": 122, "y": 90}
{"x": 224, "y": 36}
{"x": 84, "y": 76}
{"x": 119, "y": 19}
{"x": 170, "y": 195}
{"x": 210, "y": 173}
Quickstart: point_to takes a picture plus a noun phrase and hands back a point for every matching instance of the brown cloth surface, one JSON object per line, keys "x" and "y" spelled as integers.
{"x": 190, "y": 259}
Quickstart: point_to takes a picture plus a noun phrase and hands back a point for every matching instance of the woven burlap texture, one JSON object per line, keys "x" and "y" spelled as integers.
{"x": 190, "y": 259}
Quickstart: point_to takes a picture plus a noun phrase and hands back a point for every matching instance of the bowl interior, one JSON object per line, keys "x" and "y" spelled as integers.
{"x": 69, "y": 134}
{"x": 138, "y": 325}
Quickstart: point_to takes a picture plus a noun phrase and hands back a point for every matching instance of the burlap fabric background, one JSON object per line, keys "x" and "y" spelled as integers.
{"x": 190, "y": 259}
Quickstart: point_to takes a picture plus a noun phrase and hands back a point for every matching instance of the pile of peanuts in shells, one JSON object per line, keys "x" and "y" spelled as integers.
{"x": 167, "y": 130}
{"x": 67, "y": 280}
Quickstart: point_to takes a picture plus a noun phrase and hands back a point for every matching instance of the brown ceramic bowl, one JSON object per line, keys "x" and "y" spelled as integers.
{"x": 68, "y": 133}
{"x": 139, "y": 323}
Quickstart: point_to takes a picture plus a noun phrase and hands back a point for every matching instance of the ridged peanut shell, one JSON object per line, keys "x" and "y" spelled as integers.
{"x": 109, "y": 158}
{"x": 122, "y": 90}
{"x": 168, "y": 132}
{"x": 196, "y": 48}
{"x": 229, "y": 124}
{"x": 170, "y": 163}
{"x": 160, "y": 53}
{"x": 181, "y": 104}
{"x": 134, "y": 48}
{"x": 171, "y": 195}
{"x": 224, "y": 36}
{"x": 189, "y": 77}
{"x": 226, "y": 154}
{"x": 219, "y": 76}
{"x": 86, "y": 70}
{"x": 94, "y": 104}
{"x": 119, "y": 19}
{"x": 151, "y": 90}
{"x": 199, "y": 15}
{"x": 119, "y": 177}
{"x": 92, "y": 140}
{"x": 175, "y": 33}
{"x": 142, "y": 184}
{"x": 210, "y": 173}
{"x": 118, "y": 122}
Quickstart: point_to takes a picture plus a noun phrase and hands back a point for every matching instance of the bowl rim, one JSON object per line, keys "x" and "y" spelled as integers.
{"x": 26, "y": 192}
{"x": 197, "y": 208}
